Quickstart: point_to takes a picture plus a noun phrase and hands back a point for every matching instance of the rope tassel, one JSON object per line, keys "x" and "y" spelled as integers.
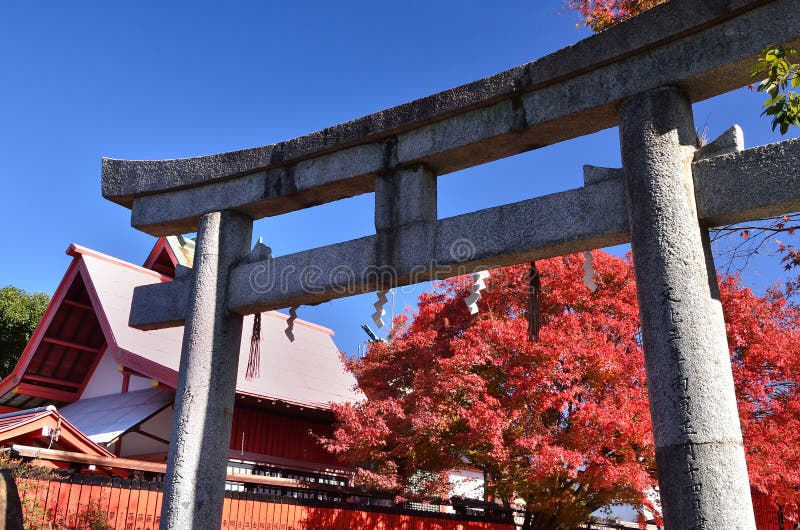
{"x": 254, "y": 361}
{"x": 534, "y": 303}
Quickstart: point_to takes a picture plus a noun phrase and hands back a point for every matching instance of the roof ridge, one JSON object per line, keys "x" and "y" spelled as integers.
{"x": 75, "y": 250}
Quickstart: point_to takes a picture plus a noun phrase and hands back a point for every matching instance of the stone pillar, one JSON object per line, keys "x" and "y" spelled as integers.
{"x": 405, "y": 216}
{"x": 701, "y": 466}
{"x": 198, "y": 452}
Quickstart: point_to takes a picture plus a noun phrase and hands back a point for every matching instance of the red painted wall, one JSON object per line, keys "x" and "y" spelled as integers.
{"x": 282, "y": 436}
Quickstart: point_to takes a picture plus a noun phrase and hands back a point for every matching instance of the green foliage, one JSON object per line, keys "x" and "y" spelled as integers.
{"x": 20, "y": 312}
{"x": 780, "y": 78}
{"x": 91, "y": 517}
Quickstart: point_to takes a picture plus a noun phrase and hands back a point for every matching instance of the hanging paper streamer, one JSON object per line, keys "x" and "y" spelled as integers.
{"x": 588, "y": 277}
{"x": 377, "y": 316}
{"x": 475, "y": 289}
{"x": 254, "y": 360}
{"x": 534, "y": 303}
{"x": 290, "y": 323}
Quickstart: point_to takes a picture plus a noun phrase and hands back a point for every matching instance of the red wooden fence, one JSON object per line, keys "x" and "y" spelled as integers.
{"x": 94, "y": 503}
{"x": 99, "y": 503}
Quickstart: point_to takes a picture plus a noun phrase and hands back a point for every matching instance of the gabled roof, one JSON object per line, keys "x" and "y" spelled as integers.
{"x": 105, "y": 418}
{"x": 308, "y": 372}
{"x": 26, "y": 427}
{"x": 168, "y": 252}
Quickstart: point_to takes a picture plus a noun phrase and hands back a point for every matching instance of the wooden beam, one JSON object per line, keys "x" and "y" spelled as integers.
{"x": 79, "y": 305}
{"x": 153, "y": 467}
{"x": 148, "y": 435}
{"x": 51, "y": 380}
{"x": 70, "y": 344}
{"x": 61, "y": 396}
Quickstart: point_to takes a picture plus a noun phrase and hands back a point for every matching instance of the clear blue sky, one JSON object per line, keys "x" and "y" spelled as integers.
{"x": 151, "y": 80}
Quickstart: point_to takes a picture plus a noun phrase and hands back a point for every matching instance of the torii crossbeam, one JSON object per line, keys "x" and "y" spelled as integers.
{"x": 641, "y": 75}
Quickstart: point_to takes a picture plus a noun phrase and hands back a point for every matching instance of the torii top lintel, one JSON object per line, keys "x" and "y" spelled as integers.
{"x": 705, "y": 47}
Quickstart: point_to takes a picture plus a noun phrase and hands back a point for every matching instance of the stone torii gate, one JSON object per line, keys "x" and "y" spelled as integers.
{"x": 641, "y": 75}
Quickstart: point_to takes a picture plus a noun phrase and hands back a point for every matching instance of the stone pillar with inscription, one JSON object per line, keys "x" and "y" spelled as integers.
{"x": 194, "y": 486}
{"x": 702, "y": 474}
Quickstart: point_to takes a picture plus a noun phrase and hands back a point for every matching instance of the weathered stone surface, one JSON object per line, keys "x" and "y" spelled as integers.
{"x": 567, "y": 94}
{"x": 547, "y": 226}
{"x": 594, "y": 174}
{"x": 194, "y": 485}
{"x": 701, "y": 468}
{"x": 10, "y": 505}
{"x": 160, "y": 305}
{"x": 405, "y": 197}
{"x": 732, "y": 188}
{"x": 731, "y": 141}
{"x": 405, "y": 215}
{"x": 756, "y": 183}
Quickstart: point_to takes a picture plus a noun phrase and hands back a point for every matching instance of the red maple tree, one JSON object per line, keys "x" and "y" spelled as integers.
{"x": 561, "y": 424}
{"x": 600, "y": 14}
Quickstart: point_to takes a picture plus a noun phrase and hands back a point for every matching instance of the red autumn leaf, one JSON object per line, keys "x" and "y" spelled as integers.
{"x": 600, "y": 14}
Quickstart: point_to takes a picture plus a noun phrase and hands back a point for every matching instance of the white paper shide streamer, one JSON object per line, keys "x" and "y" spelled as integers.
{"x": 478, "y": 285}
{"x": 588, "y": 276}
{"x": 379, "y": 313}
{"x": 290, "y": 323}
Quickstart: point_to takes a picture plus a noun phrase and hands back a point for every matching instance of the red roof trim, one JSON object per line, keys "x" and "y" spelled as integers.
{"x": 8, "y": 384}
{"x": 284, "y": 400}
{"x": 146, "y": 367}
{"x": 111, "y": 341}
{"x": 162, "y": 245}
{"x": 49, "y": 394}
{"x": 76, "y": 250}
{"x": 70, "y": 433}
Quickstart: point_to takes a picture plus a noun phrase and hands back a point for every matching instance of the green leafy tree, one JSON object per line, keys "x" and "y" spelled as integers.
{"x": 20, "y": 312}
{"x": 780, "y": 79}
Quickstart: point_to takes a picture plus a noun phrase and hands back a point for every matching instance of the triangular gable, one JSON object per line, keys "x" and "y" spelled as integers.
{"x": 168, "y": 253}
{"x": 46, "y": 427}
{"x": 63, "y": 351}
{"x": 162, "y": 259}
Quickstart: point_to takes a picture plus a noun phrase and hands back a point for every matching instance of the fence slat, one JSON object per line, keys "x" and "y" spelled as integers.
{"x": 134, "y": 504}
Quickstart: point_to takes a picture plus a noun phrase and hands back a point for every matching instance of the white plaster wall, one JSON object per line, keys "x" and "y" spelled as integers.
{"x": 467, "y": 483}
{"x": 107, "y": 380}
{"x": 160, "y": 425}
